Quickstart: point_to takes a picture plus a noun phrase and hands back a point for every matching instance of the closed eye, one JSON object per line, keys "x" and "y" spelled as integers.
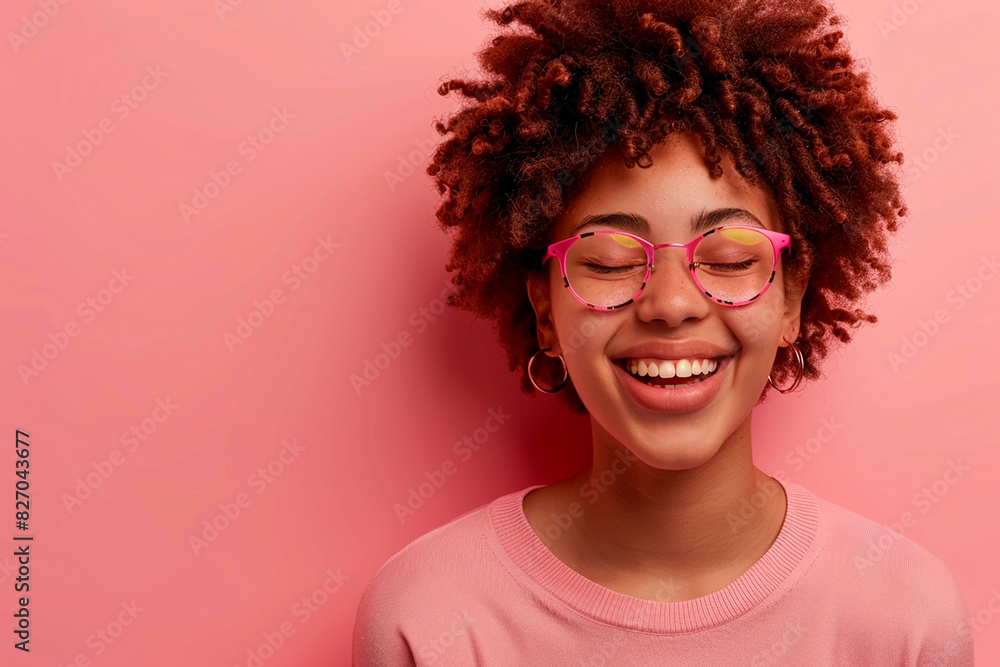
{"x": 602, "y": 268}
{"x": 740, "y": 266}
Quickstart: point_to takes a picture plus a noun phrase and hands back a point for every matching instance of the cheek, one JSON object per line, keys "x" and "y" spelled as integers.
{"x": 584, "y": 340}
{"x": 757, "y": 329}
{"x": 583, "y": 333}
{"x": 760, "y": 324}
{"x": 759, "y": 332}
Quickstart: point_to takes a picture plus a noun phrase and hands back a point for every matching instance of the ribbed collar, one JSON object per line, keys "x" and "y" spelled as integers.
{"x": 528, "y": 553}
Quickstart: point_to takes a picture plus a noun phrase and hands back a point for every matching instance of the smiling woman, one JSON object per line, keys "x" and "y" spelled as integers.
{"x": 676, "y": 319}
{"x": 730, "y": 261}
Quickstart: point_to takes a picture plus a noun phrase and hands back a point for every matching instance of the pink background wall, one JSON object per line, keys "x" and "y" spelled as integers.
{"x": 152, "y": 410}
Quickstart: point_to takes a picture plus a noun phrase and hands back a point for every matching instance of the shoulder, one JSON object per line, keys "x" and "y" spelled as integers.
{"x": 883, "y": 552}
{"x": 888, "y": 582}
{"x": 426, "y": 585}
{"x": 431, "y": 563}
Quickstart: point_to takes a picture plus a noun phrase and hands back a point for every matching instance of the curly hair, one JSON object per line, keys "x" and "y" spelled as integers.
{"x": 765, "y": 80}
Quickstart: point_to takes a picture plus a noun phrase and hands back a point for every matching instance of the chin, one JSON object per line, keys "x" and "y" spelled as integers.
{"x": 670, "y": 448}
{"x": 675, "y": 456}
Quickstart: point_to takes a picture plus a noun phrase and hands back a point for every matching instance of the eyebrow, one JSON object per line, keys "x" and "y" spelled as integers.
{"x": 635, "y": 223}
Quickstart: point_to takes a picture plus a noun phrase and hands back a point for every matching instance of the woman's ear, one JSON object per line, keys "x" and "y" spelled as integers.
{"x": 540, "y": 296}
{"x": 795, "y": 289}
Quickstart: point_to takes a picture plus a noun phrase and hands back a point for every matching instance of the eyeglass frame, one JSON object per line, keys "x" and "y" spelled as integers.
{"x": 559, "y": 250}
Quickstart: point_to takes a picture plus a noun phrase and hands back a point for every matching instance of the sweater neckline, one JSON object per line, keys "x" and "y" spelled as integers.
{"x": 534, "y": 560}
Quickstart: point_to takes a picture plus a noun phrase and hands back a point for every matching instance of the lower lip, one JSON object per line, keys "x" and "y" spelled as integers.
{"x": 676, "y": 400}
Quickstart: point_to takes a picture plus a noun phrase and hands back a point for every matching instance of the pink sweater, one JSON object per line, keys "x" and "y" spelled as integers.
{"x": 834, "y": 588}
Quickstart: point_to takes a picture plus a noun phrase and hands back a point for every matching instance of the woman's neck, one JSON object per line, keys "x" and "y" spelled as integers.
{"x": 664, "y": 535}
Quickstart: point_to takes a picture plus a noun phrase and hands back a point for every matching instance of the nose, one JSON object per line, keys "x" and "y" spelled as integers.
{"x": 671, "y": 294}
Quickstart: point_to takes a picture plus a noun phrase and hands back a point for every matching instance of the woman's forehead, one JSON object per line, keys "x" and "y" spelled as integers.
{"x": 676, "y": 187}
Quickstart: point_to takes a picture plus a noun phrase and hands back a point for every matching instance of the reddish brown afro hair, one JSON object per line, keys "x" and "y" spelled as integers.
{"x": 770, "y": 82}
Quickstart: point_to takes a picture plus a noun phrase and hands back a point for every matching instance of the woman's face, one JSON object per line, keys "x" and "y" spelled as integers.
{"x": 687, "y": 429}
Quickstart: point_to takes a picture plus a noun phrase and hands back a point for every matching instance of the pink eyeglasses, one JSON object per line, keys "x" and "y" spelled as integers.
{"x": 731, "y": 265}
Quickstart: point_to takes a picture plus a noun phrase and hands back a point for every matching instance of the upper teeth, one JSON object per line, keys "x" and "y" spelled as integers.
{"x": 665, "y": 368}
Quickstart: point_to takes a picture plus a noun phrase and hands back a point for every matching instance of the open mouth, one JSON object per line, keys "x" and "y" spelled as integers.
{"x": 675, "y": 381}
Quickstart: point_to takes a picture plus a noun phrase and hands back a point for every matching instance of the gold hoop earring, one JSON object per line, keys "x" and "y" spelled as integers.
{"x": 798, "y": 376}
{"x": 532, "y": 378}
